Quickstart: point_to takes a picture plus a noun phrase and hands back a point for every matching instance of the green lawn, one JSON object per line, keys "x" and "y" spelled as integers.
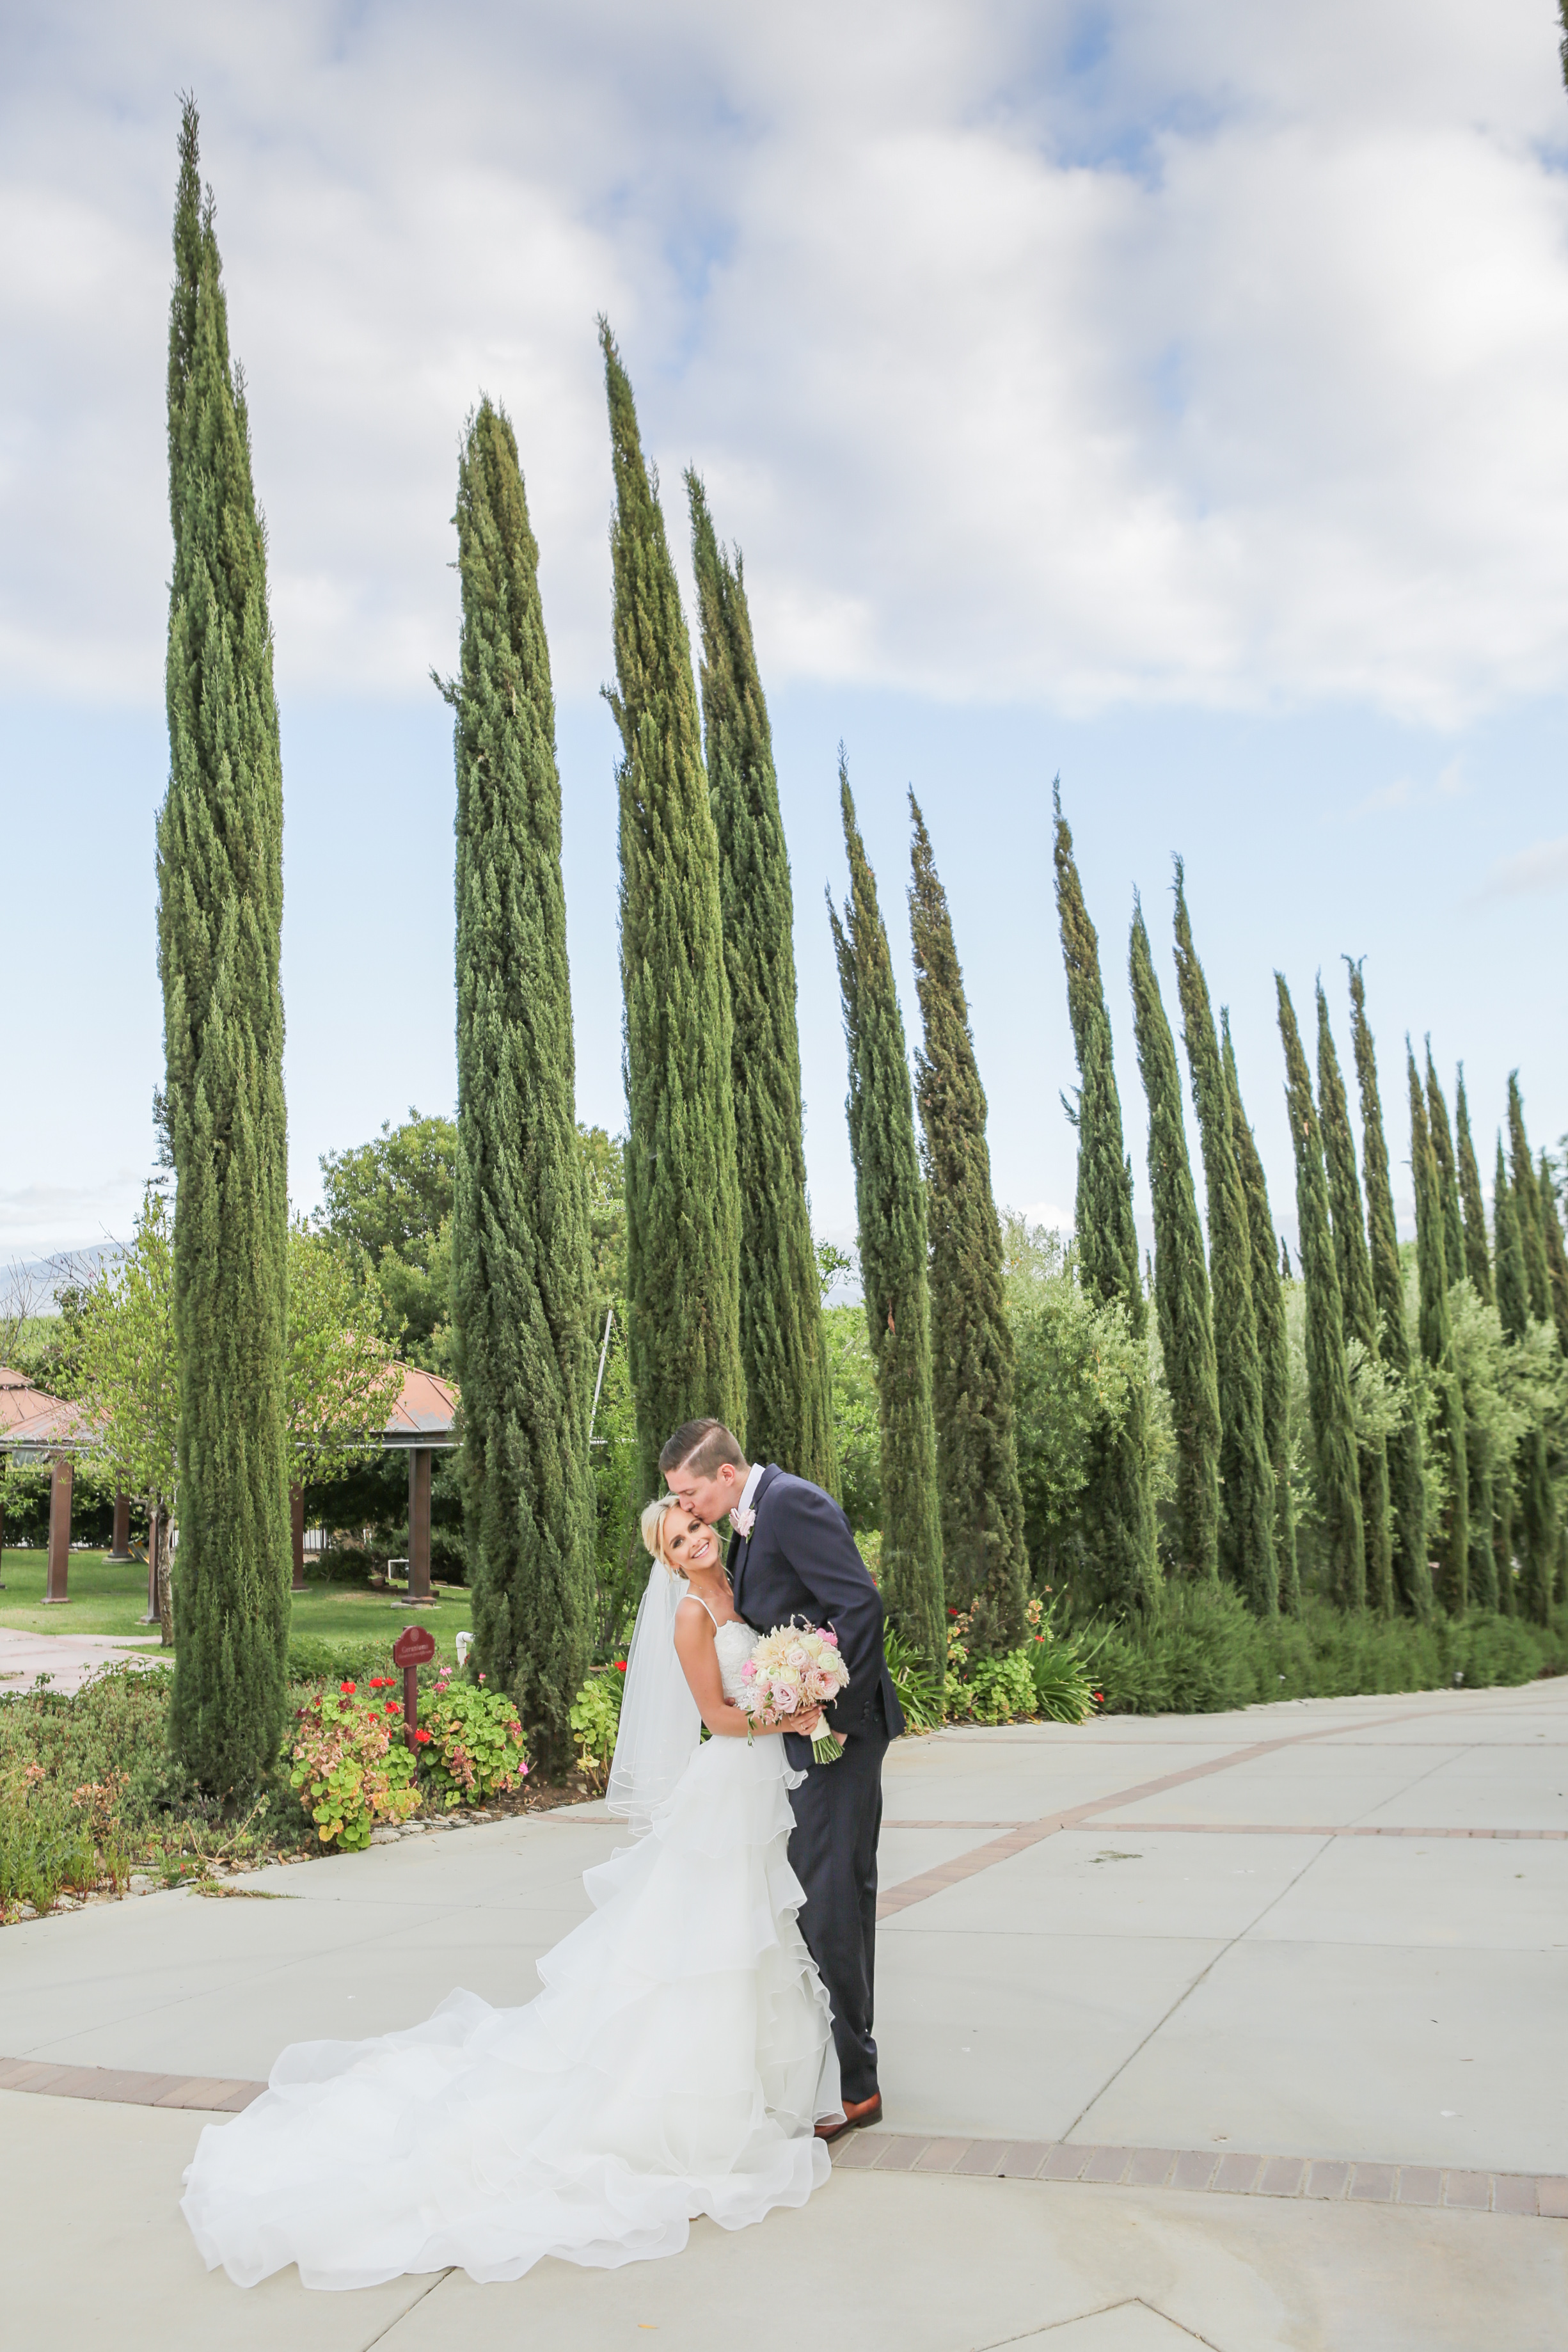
{"x": 110, "y": 1599}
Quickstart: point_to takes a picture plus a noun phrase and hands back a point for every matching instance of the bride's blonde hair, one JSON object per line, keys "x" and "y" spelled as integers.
{"x": 654, "y": 1528}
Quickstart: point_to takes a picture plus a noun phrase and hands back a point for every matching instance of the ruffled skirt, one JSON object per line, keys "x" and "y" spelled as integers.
{"x": 675, "y": 2064}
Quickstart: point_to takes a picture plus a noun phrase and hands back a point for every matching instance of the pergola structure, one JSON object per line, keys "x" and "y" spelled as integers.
{"x": 422, "y": 1423}
{"x": 38, "y": 1427}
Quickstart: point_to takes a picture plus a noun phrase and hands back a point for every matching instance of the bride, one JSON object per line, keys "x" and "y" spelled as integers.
{"x": 677, "y": 2062}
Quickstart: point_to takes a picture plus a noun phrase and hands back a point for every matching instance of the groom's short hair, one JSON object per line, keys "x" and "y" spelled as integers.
{"x": 704, "y": 1446}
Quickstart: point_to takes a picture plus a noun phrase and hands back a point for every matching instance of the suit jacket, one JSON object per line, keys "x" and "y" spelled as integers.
{"x": 800, "y": 1561}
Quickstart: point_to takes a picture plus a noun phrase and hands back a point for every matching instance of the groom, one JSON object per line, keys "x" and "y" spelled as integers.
{"x": 792, "y": 1555}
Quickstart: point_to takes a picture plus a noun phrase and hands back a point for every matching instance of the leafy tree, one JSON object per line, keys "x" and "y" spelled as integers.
{"x": 1437, "y": 1349}
{"x": 1082, "y": 1380}
{"x": 1328, "y": 1369}
{"x": 129, "y": 1374}
{"x": 857, "y": 1419}
{"x": 341, "y": 1381}
{"x": 220, "y": 912}
{"x": 890, "y": 1205}
{"x": 1358, "y": 1304}
{"x": 387, "y": 1204}
{"x": 1181, "y": 1278}
{"x": 985, "y": 1566}
{"x": 1268, "y": 1306}
{"x": 781, "y": 1344}
{"x": 521, "y": 1294}
{"x": 1246, "y": 1556}
{"x": 1477, "y": 1258}
{"x": 1406, "y": 1474}
{"x": 682, "y": 1192}
{"x": 1121, "y": 1507}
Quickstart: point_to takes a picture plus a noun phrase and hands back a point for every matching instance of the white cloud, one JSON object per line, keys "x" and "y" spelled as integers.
{"x": 1219, "y": 362}
{"x": 1541, "y": 868}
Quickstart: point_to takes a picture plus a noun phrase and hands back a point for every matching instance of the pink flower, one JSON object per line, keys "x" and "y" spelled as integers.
{"x": 831, "y": 1638}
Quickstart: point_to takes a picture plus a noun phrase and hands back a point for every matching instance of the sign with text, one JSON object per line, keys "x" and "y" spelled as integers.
{"x": 413, "y": 1648}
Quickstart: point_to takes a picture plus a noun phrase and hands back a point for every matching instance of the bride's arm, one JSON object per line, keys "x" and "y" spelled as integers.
{"x": 698, "y": 1654}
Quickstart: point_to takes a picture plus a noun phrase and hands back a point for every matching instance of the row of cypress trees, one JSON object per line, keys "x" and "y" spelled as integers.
{"x": 723, "y": 1305}
{"x": 1221, "y": 1312}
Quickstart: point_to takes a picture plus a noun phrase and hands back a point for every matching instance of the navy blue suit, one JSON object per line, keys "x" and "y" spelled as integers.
{"x": 801, "y": 1561}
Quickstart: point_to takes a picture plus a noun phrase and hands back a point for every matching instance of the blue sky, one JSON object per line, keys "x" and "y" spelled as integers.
{"x": 1166, "y": 397}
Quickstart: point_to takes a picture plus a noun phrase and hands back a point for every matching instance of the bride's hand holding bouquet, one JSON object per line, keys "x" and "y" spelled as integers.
{"x": 795, "y": 1672}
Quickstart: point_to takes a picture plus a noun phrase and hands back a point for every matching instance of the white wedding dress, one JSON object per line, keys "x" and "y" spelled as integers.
{"x": 675, "y": 2064}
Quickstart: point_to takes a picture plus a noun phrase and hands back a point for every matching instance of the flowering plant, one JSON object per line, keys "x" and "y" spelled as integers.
{"x": 792, "y": 1670}
{"x": 350, "y": 1770}
{"x": 470, "y": 1743}
{"x": 595, "y": 1719}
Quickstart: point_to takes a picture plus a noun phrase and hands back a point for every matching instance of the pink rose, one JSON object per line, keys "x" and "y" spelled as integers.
{"x": 831, "y": 1638}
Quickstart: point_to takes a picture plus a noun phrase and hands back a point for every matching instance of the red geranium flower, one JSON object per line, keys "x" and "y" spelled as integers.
{"x": 423, "y": 1738}
{"x": 390, "y": 1706}
{"x": 620, "y": 1666}
{"x": 348, "y": 1688}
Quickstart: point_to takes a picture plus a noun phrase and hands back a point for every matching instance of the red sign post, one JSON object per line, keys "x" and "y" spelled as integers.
{"x": 414, "y": 1647}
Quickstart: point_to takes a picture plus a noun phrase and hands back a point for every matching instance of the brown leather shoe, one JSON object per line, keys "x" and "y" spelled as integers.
{"x": 856, "y": 2112}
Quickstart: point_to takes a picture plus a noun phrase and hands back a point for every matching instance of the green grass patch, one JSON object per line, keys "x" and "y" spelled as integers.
{"x": 109, "y": 1598}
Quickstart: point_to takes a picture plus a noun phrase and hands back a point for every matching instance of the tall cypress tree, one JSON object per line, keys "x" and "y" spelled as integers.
{"x": 1406, "y": 1478}
{"x": 782, "y": 1343}
{"x": 1360, "y": 1306}
{"x": 1481, "y": 1583}
{"x": 889, "y": 1207}
{"x": 1513, "y": 1313}
{"x": 1246, "y": 1556}
{"x": 1557, "y": 1255}
{"x": 1181, "y": 1277}
{"x": 1536, "y": 1527}
{"x": 1527, "y": 1201}
{"x": 973, "y": 1363}
{"x": 1478, "y": 1262}
{"x": 1121, "y": 1510}
{"x": 1438, "y": 1348}
{"x": 683, "y": 1193}
{"x": 521, "y": 1299}
{"x": 1447, "y": 1174}
{"x": 1328, "y": 1373}
{"x": 1273, "y": 1343}
{"x": 220, "y": 911}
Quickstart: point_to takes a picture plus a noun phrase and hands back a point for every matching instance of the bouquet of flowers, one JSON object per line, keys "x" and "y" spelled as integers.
{"x": 791, "y": 1671}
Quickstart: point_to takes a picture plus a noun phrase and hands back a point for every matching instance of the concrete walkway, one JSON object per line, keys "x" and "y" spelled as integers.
{"x": 69, "y": 1659}
{"x": 1310, "y": 1956}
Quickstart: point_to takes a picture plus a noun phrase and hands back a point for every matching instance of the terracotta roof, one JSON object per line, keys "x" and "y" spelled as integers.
{"x": 424, "y": 1412}
{"x": 31, "y": 1417}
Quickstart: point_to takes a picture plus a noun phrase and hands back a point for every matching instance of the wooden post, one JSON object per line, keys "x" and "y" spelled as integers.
{"x": 59, "y": 1532}
{"x": 119, "y": 1549}
{"x": 420, "y": 1595}
{"x": 296, "y": 1526}
{"x": 154, "y": 1529}
{"x": 2, "y": 1517}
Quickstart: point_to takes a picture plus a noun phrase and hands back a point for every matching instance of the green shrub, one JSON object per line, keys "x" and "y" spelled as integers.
{"x": 1001, "y": 1689}
{"x": 45, "y": 1841}
{"x": 1198, "y": 1651}
{"x": 918, "y": 1687}
{"x": 595, "y": 1719}
{"x": 470, "y": 1742}
{"x": 351, "y": 1771}
{"x": 312, "y": 1658}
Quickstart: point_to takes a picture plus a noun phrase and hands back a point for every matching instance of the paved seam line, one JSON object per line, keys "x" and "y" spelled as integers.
{"x": 1277, "y": 1828}
{"x": 920, "y": 1889}
{"x": 1189, "y": 1989}
{"x": 1314, "y": 2179}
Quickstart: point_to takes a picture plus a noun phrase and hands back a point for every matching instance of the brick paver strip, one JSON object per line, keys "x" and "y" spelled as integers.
{"x": 1204, "y": 2169}
{"x": 1019, "y": 1839}
{"x": 1292, "y": 1829}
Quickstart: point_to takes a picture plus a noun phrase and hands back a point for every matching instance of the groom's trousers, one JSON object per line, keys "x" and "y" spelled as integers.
{"x": 838, "y": 1813}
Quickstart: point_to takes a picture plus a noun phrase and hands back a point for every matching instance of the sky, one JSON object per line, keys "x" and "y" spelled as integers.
{"x": 1166, "y": 396}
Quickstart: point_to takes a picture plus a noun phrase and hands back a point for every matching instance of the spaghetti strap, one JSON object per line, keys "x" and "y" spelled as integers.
{"x": 703, "y": 1604}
